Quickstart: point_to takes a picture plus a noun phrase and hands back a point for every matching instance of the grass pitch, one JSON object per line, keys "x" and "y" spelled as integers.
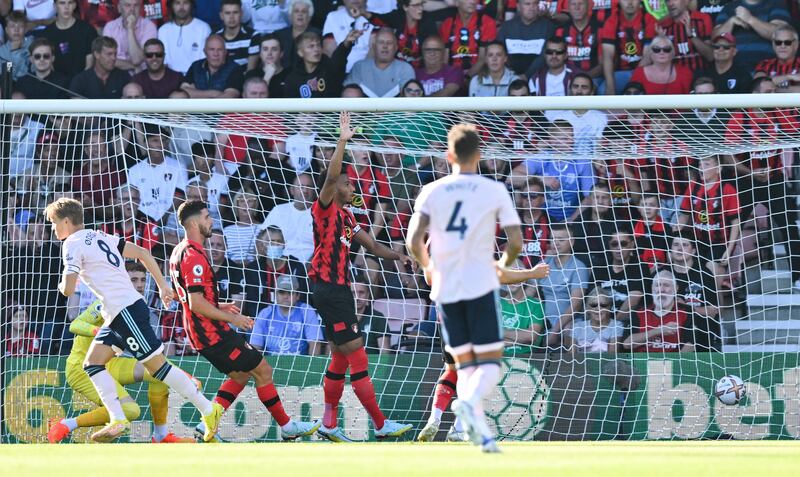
{"x": 604, "y": 459}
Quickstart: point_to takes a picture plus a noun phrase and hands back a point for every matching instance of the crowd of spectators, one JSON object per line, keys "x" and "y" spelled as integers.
{"x": 642, "y": 251}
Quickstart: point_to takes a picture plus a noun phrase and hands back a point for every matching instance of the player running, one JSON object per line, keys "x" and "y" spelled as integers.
{"x": 335, "y": 228}
{"x": 99, "y": 260}
{"x": 125, "y": 370}
{"x": 445, "y": 388}
{"x": 208, "y": 323}
{"x": 462, "y": 211}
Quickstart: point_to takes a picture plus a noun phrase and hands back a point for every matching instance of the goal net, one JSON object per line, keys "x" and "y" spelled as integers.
{"x": 669, "y": 225}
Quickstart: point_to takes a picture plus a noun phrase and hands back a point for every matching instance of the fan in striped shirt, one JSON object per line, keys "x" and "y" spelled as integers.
{"x": 240, "y": 237}
{"x": 240, "y": 40}
{"x": 784, "y": 69}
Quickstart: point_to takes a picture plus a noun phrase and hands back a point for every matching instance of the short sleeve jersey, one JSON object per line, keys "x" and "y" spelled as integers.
{"x": 464, "y": 210}
{"x": 463, "y": 41}
{"x": 191, "y": 272}
{"x": 334, "y": 229}
{"x": 97, "y": 259}
{"x": 646, "y": 320}
{"x": 712, "y": 209}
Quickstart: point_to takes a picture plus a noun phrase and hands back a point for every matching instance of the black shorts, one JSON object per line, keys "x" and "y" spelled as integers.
{"x": 336, "y": 306}
{"x": 474, "y": 325}
{"x": 233, "y": 353}
{"x": 130, "y": 331}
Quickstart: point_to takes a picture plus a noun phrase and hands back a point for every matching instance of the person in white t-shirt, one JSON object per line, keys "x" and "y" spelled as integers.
{"x": 266, "y": 16}
{"x": 339, "y": 23}
{"x": 184, "y": 37}
{"x": 461, "y": 213}
{"x": 294, "y": 219}
{"x": 98, "y": 260}
{"x": 39, "y": 13}
{"x": 157, "y": 177}
{"x": 587, "y": 125}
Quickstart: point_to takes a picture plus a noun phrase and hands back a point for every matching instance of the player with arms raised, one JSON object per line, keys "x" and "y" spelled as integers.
{"x": 99, "y": 260}
{"x": 208, "y": 323}
{"x": 461, "y": 212}
{"x": 334, "y": 229}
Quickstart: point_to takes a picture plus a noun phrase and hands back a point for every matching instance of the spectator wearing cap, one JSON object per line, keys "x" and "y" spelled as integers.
{"x": 728, "y": 76}
{"x": 216, "y": 76}
{"x": 784, "y": 68}
{"x": 158, "y": 176}
{"x": 752, "y": 22}
{"x": 436, "y": 76}
{"x": 45, "y": 82}
{"x": 130, "y": 31}
{"x": 300, "y": 14}
{"x": 383, "y": 75}
{"x": 104, "y": 80}
{"x": 184, "y": 36}
{"x": 288, "y": 326}
{"x": 157, "y": 80}
{"x": 554, "y": 77}
{"x": 524, "y": 35}
{"x": 72, "y": 39}
{"x": 664, "y": 75}
{"x": 15, "y": 49}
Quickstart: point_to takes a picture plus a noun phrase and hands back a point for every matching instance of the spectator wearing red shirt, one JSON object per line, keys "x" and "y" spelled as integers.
{"x": 372, "y": 196}
{"x": 466, "y": 35}
{"x": 784, "y": 69}
{"x": 98, "y": 176}
{"x": 624, "y": 37}
{"x": 711, "y": 207}
{"x": 601, "y": 10}
{"x": 690, "y": 33}
{"x": 663, "y": 326}
{"x": 98, "y": 12}
{"x": 664, "y": 75}
{"x": 20, "y": 341}
{"x": 157, "y": 80}
{"x": 535, "y": 225}
{"x": 582, "y": 35}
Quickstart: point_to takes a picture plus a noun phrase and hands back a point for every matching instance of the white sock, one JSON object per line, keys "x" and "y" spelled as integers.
{"x": 462, "y": 386}
{"x": 71, "y": 423}
{"x": 482, "y": 382}
{"x": 106, "y": 387}
{"x": 160, "y": 431}
{"x": 457, "y": 425}
{"x": 180, "y": 382}
{"x": 288, "y": 426}
{"x": 436, "y": 415}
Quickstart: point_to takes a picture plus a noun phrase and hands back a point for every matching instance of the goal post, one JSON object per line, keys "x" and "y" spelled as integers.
{"x": 669, "y": 223}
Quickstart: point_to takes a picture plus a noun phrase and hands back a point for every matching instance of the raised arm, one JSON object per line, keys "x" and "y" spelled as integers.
{"x": 335, "y": 166}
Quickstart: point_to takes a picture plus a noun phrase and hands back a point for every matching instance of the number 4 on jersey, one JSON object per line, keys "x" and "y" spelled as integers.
{"x": 461, "y": 228}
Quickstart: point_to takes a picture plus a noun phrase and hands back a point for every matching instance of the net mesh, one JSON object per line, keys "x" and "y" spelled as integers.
{"x": 675, "y": 267}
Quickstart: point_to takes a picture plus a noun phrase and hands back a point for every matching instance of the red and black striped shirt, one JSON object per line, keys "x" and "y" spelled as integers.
{"x": 761, "y": 129}
{"x": 464, "y": 41}
{"x": 191, "y": 272}
{"x": 583, "y": 46}
{"x": 685, "y": 52}
{"x": 334, "y": 229}
{"x": 534, "y": 241}
{"x": 712, "y": 208}
{"x": 773, "y": 67}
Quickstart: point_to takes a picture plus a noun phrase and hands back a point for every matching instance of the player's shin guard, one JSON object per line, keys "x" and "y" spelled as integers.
{"x": 95, "y": 417}
{"x": 106, "y": 388}
{"x": 183, "y": 385}
{"x": 362, "y": 386}
{"x": 158, "y": 396}
{"x": 228, "y": 392}
{"x": 268, "y": 396}
{"x": 482, "y": 381}
{"x": 333, "y": 387}
{"x": 444, "y": 392}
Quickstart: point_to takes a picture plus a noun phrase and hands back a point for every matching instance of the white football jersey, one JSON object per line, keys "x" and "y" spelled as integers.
{"x": 97, "y": 259}
{"x": 464, "y": 210}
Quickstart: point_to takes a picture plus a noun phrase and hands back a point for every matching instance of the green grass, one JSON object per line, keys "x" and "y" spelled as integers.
{"x": 605, "y": 459}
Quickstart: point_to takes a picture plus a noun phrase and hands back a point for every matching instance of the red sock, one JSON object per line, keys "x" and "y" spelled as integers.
{"x": 268, "y": 395}
{"x": 333, "y": 386}
{"x": 228, "y": 392}
{"x": 362, "y": 385}
{"x": 445, "y": 389}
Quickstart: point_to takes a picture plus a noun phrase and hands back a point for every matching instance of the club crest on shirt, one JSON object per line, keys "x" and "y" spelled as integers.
{"x": 355, "y": 327}
{"x": 197, "y": 270}
{"x": 731, "y": 83}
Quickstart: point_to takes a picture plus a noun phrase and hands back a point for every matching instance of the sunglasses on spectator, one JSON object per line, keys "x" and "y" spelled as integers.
{"x": 723, "y": 47}
{"x": 42, "y": 56}
{"x": 554, "y": 52}
{"x": 782, "y": 42}
{"x": 154, "y": 54}
{"x": 535, "y": 195}
{"x": 615, "y": 243}
{"x": 412, "y": 90}
{"x": 597, "y": 304}
{"x": 662, "y": 49}
{"x": 416, "y": 5}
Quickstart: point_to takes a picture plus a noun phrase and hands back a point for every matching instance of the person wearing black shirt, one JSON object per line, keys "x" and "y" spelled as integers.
{"x": 623, "y": 274}
{"x": 44, "y": 82}
{"x": 728, "y": 77}
{"x": 72, "y": 38}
